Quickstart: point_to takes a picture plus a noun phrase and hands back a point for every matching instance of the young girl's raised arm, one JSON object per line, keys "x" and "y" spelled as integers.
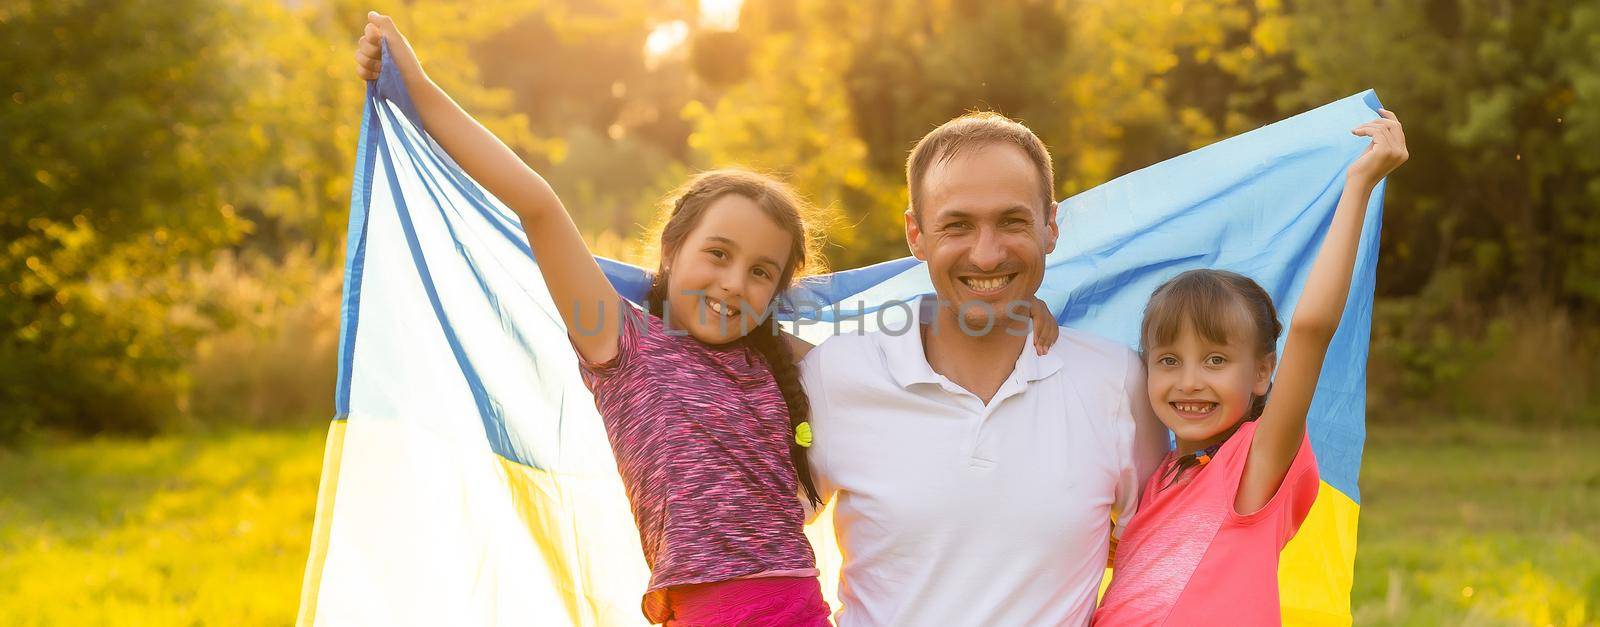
{"x": 1282, "y": 425}
{"x": 580, "y": 290}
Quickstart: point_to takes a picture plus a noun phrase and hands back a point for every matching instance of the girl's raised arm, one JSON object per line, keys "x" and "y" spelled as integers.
{"x": 1282, "y": 425}
{"x": 579, "y": 288}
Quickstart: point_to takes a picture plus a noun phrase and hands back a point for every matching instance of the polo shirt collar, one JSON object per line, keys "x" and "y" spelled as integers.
{"x": 908, "y": 361}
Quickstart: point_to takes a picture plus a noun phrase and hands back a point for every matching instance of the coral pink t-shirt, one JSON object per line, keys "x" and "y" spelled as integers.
{"x": 1187, "y": 558}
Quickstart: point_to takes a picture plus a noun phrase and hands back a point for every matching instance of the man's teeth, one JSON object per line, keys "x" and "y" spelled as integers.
{"x": 1195, "y": 408}
{"x": 987, "y": 283}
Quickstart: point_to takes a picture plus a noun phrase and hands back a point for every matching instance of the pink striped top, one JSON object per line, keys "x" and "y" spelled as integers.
{"x": 701, "y": 436}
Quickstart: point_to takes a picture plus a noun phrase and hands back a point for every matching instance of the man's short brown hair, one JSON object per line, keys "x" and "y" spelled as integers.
{"x": 972, "y": 130}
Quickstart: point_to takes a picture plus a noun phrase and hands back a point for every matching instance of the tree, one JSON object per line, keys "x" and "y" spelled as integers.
{"x": 142, "y": 138}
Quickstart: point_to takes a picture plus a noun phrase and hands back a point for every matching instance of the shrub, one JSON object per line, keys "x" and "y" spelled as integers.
{"x": 1437, "y": 354}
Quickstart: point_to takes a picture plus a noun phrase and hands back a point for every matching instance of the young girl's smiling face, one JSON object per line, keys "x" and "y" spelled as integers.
{"x": 1202, "y": 386}
{"x": 724, "y": 274}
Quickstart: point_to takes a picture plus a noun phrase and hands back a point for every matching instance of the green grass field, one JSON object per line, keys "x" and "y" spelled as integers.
{"x": 176, "y": 530}
{"x": 1479, "y": 525}
{"x": 1461, "y": 525}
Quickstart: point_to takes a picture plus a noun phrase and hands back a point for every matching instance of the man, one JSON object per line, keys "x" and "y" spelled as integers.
{"x": 974, "y": 481}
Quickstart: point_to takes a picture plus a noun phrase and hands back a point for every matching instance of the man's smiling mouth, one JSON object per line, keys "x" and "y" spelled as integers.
{"x": 987, "y": 284}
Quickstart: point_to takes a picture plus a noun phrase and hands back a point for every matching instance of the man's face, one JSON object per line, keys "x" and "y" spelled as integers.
{"x": 983, "y": 232}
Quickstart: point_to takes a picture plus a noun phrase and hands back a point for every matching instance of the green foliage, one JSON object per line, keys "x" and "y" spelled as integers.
{"x": 118, "y": 132}
{"x": 143, "y": 143}
{"x": 1437, "y": 354}
{"x": 1500, "y": 103}
{"x": 269, "y": 355}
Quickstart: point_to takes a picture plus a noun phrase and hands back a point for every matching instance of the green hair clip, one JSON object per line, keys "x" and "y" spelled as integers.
{"x": 802, "y": 434}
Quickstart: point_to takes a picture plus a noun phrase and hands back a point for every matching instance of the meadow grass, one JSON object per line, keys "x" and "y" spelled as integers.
{"x": 1479, "y": 524}
{"x": 174, "y": 530}
{"x": 1462, "y": 524}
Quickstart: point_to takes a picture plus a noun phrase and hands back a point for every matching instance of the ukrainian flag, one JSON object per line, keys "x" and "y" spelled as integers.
{"x": 467, "y": 478}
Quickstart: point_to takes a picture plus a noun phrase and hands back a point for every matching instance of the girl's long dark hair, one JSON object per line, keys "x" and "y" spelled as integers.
{"x": 777, "y": 201}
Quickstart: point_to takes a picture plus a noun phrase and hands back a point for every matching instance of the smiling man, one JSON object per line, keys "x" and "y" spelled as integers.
{"x": 975, "y": 482}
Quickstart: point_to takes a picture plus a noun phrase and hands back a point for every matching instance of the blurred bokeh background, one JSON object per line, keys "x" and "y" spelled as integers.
{"x": 174, "y": 186}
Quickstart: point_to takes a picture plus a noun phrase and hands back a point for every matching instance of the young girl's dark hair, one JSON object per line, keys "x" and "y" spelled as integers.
{"x": 688, "y": 204}
{"x": 1217, "y": 304}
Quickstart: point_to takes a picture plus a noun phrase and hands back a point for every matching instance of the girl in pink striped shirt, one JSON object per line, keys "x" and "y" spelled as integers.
{"x": 700, "y": 396}
{"x": 1203, "y": 547}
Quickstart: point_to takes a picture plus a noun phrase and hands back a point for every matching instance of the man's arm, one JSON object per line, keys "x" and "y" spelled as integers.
{"x": 1151, "y": 440}
{"x": 1145, "y": 449}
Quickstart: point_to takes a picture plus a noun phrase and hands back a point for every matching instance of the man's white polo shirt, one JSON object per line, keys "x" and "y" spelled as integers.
{"x": 953, "y": 512}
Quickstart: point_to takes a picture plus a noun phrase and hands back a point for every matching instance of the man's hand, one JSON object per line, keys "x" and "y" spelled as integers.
{"x": 369, "y": 48}
{"x": 1387, "y": 151}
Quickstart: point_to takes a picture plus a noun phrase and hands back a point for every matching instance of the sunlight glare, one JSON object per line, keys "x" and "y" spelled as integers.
{"x": 665, "y": 39}
{"x": 720, "y": 14}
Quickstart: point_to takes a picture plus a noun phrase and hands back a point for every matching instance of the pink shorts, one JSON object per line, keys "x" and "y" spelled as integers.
{"x": 759, "y": 602}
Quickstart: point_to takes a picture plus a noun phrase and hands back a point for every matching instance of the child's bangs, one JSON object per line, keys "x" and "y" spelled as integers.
{"x": 1200, "y": 302}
